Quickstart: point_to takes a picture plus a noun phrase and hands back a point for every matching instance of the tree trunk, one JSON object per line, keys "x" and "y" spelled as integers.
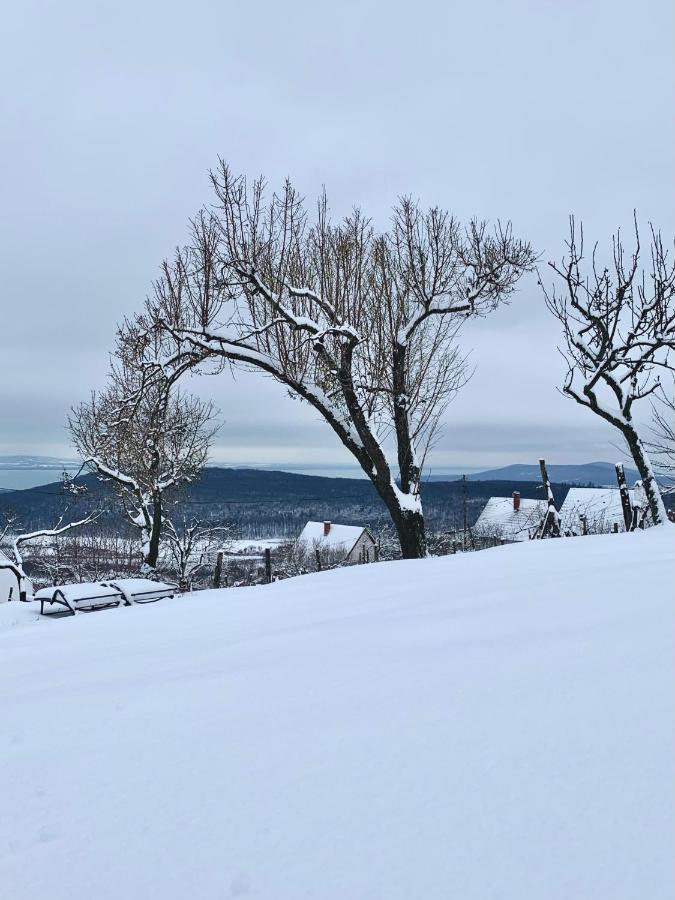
{"x": 218, "y": 573}
{"x": 644, "y": 467}
{"x": 155, "y": 533}
{"x": 411, "y": 534}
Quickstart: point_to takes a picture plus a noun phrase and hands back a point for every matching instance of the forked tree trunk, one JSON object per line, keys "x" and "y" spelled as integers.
{"x": 409, "y": 524}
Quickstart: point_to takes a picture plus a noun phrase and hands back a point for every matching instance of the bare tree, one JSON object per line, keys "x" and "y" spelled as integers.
{"x": 15, "y": 562}
{"x": 360, "y": 324}
{"x": 619, "y": 330}
{"x": 662, "y": 442}
{"x": 192, "y": 546}
{"x": 147, "y": 438}
{"x": 90, "y": 555}
{"x": 301, "y": 557}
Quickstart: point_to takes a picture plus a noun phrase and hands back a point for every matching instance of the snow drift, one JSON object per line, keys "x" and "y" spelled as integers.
{"x": 492, "y": 725}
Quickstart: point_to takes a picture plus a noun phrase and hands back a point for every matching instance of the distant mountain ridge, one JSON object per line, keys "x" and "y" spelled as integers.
{"x": 597, "y": 474}
{"x": 600, "y": 474}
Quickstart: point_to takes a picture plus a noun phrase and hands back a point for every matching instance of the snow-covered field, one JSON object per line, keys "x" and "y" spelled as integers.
{"x": 241, "y": 545}
{"x": 489, "y": 725}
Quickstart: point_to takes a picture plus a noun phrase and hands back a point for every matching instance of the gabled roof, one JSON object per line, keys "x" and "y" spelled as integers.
{"x": 601, "y": 506}
{"x": 500, "y": 518}
{"x": 340, "y": 537}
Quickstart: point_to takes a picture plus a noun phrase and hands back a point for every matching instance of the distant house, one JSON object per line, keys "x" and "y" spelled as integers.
{"x": 351, "y": 542}
{"x": 9, "y": 586}
{"x": 510, "y": 518}
{"x": 601, "y": 507}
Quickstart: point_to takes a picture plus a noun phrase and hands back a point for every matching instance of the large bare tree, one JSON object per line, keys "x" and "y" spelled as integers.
{"x": 360, "y": 324}
{"x": 147, "y": 438}
{"x": 618, "y": 323}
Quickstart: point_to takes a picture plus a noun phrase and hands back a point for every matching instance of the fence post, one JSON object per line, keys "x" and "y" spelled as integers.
{"x": 268, "y": 565}
{"x": 584, "y": 524}
{"x": 552, "y": 521}
{"x": 218, "y": 572}
{"x": 317, "y": 553}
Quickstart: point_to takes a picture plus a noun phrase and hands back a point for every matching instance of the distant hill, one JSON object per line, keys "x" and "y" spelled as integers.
{"x": 263, "y": 502}
{"x": 599, "y": 474}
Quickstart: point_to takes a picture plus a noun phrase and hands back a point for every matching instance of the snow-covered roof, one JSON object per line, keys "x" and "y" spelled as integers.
{"x": 339, "y": 537}
{"x": 601, "y": 506}
{"x": 499, "y": 517}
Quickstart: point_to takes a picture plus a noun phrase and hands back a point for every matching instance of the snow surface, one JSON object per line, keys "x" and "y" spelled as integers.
{"x": 479, "y": 726}
{"x": 241, "y": 545}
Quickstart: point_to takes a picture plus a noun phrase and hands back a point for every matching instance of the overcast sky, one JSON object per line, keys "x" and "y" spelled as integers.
{"x": 112, "y": 114}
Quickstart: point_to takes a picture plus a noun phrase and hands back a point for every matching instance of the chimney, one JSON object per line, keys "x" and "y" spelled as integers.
{"x": 326, "y": 529}
{"x": 516, "y": 501}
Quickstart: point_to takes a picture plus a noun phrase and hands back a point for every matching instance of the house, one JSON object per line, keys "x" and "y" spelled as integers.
{"x": 601, "y": 507}
{"x": 351, "y": 542}
{"x": 510, "y": 518}
{"x": 8, "y": 582}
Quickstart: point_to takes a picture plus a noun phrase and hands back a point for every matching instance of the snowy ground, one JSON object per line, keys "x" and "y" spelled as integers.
{"x": 489, "y": 725}
{"x": 241, "y": 545}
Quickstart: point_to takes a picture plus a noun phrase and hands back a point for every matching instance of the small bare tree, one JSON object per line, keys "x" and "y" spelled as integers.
{"x": 662, "y": 442}
{"x": 619, "y": 330}
{"x": 147, "y": 438}
{"x": 89, "y": 555}
{"x": 15, "y": 556}
{"x": 192, "y": 545}
{"x": 360, "y": 324}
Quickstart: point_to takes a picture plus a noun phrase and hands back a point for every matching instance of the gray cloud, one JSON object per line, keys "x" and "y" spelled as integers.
{"x": 112, "y": 115}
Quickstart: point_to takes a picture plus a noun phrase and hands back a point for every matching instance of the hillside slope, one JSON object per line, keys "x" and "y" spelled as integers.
{"x": 491, "y": 725}
{"x": 264, "y": 502}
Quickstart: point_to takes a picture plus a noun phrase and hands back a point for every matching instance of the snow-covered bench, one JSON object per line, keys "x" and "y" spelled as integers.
{"x": 89, "y": 596}
{"x": 84, "y": 596}
{"x": 141, "y": 590}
